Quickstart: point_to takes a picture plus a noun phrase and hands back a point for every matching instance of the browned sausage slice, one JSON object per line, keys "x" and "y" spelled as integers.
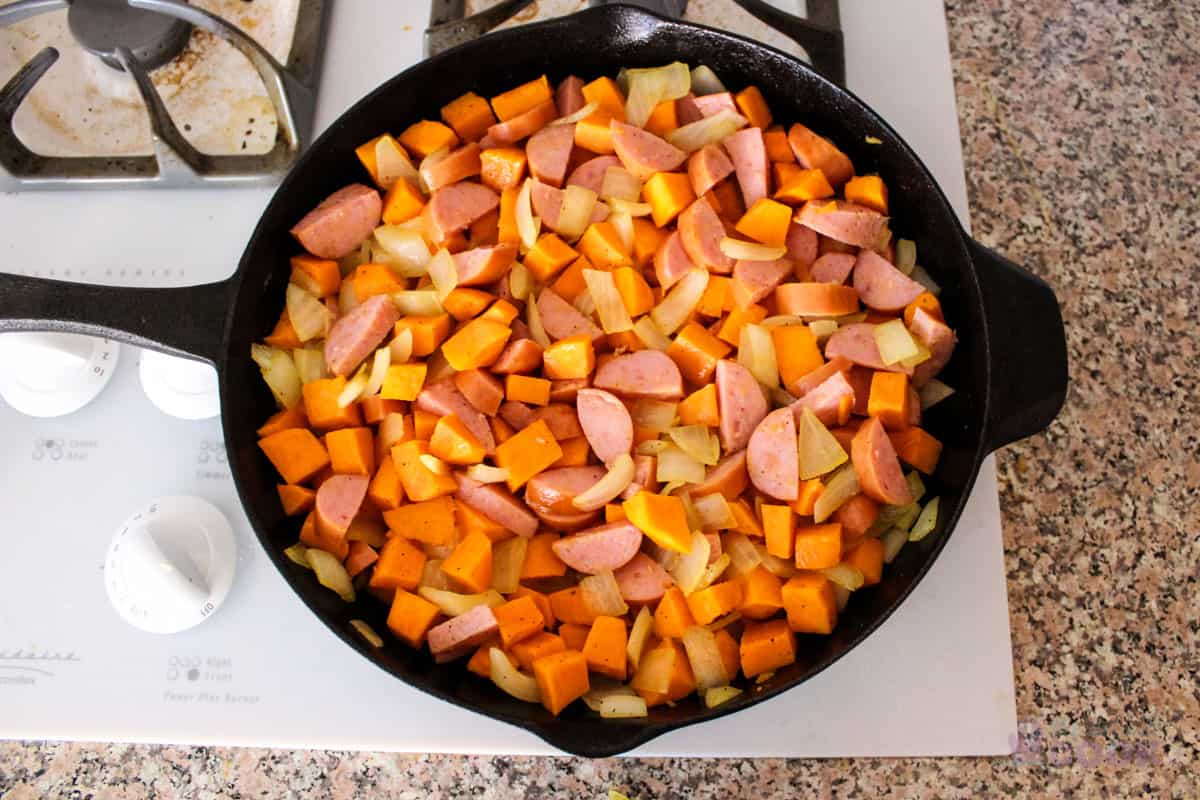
{"x": 938, "y": 338}
{"x": 561, "y": 319}
{"x": 701, "y": 232}
{"x": 561, "y": 419}
{"x": 812, "y": 380}
{"x": 549, "y": 495}
{"x": 458, "y": 636}
{"x": 566, "y": 389}
{"x": 338, "y": 500}
{"x": 480, "y": 266}
{"x": 642, "y": 581}
{"x": 606, "y": 423}
{"x": 749, "y": 154}
{"x": 816, "y": 152}
{"x": 549, "y": 152}
{"x": 644, "y": 468}
{"x": 645, "y": 373}
{"x": 516, "y": 414}
{"x": 832, "y": 268}
{"x": 514, "y": 130}
{"x": 568, "y": 97}
{"x": 802, "y": 246}
{"x": 773, "y": 457}
{"x": 845, "y": 222}
{"x": 495, "y": 503}
{"x": 754, "y": 280}
{"x": 831, "y": 402}
{"x": 481, "y": 389}
{"x": 457, "y": 165}
{"x": 520, "y": 355}
{"x": 341, "y": 222}
{"x": 728, "y": 476}
{"x": 707, "y": 167}
{"x": 740, "y": 402}
{"x": 600, "y": 549}
{"x": 671, "y": 261}
{"x": 642, "y": 152}
{"x": 452, "y": 208}
{"x": 354, "y": 336}
{"x": 857, "y": 343}
{"x": 880, "y": 285}
{"x": 547, "y": 204}
{"x": 710, "y": 104}
{"x": 444, "y": 398}
{"x": 590, "y": 174}
{"x": 877, "y": 466}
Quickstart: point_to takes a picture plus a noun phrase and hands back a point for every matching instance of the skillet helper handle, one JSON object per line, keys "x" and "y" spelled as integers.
{"x": 187, "y": 321}
{"x": 1028, "y": 349}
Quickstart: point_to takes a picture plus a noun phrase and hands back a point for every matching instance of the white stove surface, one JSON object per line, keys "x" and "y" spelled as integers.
{"x": 935, "y": 679}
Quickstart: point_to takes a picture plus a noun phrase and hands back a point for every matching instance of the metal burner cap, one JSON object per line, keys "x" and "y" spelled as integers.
{"x": 101, "y": 26}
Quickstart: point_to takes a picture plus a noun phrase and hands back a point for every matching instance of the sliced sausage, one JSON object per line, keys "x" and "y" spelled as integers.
{"x": 914, "y": 406}
{"x": 643, "y": 153}
{"x": 480, "y": 266}
{"x": 549, "y": 151}
{"x": 453, "y": 208}
{"x": 740, "y": 402}
{"x": 547, "y": 204}
{"x": 701, "y": 232}
{"x": 880, "y": 285}
{"x": 671, "y": 261}
{"x": 565, "y": 390}
{"x": 338, "y": 500}
{"x": 831, "y": 401}
{"x": 802, "y": 243}
{"x": 481, "y": 389}
{"x": 497, "y": 504}
{"x": 645, "y": 373}
{"x": 444, "y": 398}
{"x": 816, "y": 299}
{"x": 549, "y": 494}
{"x": 857, "y": 343}
{"x": 600, "y": 549}
{"x": 728, "y": 476}
{"x": 606, "y": 423}
{"x": 709, "y": 104}
{"x": 341, "y": 222}
{"x": 707, "y": 167}
{"x": 561, "y": 319}
{"x": 686, "y": 110}
{"x": 715, "y": 548}
{"x": 754, "y": 280}
{"x": 590, "y": 174}
{"x": 356, "y": 335}
{"x": 517, "y": 415}
{"x": 568, "y": 97}
{"x": 845, "y": 222}
{"x": 514, "y": 130}
{"x": 561, "y": 419}
{"x": 773, "y": 456}
{"x": 458, "y": 636}
{"x": 518, "y": 356}
{"x": 816, "y": 152}
{"x": 832, "y": 268}
{"x": 642, "y": 581}
{"x": 938, "y": 338}
{"x": 644, "y": 468}
{"x": 877, "y": 466}
{"x": 812, "y": 380}
{"x": 749, "y": 155}
{"x": 457, "y": 165}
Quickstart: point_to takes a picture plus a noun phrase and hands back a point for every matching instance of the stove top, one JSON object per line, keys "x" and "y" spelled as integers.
{"x": 935, "y": 679}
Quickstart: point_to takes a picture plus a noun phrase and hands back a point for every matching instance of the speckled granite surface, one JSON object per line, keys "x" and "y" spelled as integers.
{"x": 1081, "y": 129}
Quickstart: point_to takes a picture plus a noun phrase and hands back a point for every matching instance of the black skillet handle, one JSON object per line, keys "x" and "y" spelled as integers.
{"x": 1028, "y": 349}
{"x": 188, "y": 321}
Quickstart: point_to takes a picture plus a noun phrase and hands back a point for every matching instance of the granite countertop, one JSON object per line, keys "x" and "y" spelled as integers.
{"x": 1081, "y": 131}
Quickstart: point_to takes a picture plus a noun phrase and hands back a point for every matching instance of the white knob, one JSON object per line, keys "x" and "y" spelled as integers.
{"x": 171, "y": 564}
{"x": 180, "y": 387}
{"x": 53, "y": 374}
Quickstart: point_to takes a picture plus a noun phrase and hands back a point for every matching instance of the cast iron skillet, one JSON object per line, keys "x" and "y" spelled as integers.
{"x": 1010, "y": 368}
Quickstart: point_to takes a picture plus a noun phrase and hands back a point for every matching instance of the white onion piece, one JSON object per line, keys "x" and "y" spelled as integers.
{"x": 418, "y": 302}
{"x": 689, "y": 509}
{"x": 698, "y": 441}
{"x": 298, "y": 554}
{"x": 655, "y": 415}
{"x": 584, "y": 303}
{"x": 308, "y": 315}
{"x": 820, "y": 451}
{"x": 602, "y": 687}
{"x": 331, "y": 574}
{"x": 743, "y": 556}
{"x": 650, "y": 447}
{"x": 537, "y": 330}
{"x": 674, "y": 465}
{"x": 724, "y": 622}
{"x": 622, "y": 222}
{"x": 620, "y": 184}
{"x": 347, "y": 298}
{"x": 602, "y": 595}
{"x": 406, "y": 250}
{"x": 715, "y": 570}
{"x": 780, "y": 320}
{"x": 427, "y": 164}
{"x": 779, "y": 567}
{"x": 709, "y": 130}
{"x": 434, "y": 464}
{"x": 840, "y": 487}
{"x": 925, "y": 279}
{"x": 705, "y": 658}
{"x": 654, "y": 672}
{"x": 713, "y": 512}
{"x": 756, "y": 352}
{"x": 576, "y": 214}
{"x": 620, "y": 474}
{"x": 433, "y": 577}
{"x": 650, "y": 335}
{"x": 610, "y": 308}
{"x": 921, "y": 357}
{"x": 894, "y": 341}
{"x": 379, "y": 368}
{"x": 453, "y": 604}
{"x": 310, "y": 364}
{"x": 705, "y": 81}
{"x": 520, "y": 281}
{"x": 689, "y": 569}
{"x": 926, "y": 522}
{"x": 639, "y": 633}
{"x": 675, "y": 308}
{"x": 916, "y": 486}
{"x": 401, "y": 346}
{"x": 893, "y": 542}
{"x": 822, "y": 329}
{"x": 841, "y": 597}
{"x": 392, "y": 164}
{"x": 508, "y": 557}
{"x": 906, "y": 255}
{"x": 575, "y": 116}
{"x": 618, "y": 706}
{"x": 844, "y": 575}
{"x": 368, "y": 530}
{"x": 649, "y": 87}
{"x": 750, "y": 251}
{"x": 527, "y": 224}
{"x": 443, "y": 273}
{"x": 353, "y": 388}
{"x": 931, "y": 393}
{"x": 366, "y": 632}
{"x": 486, "y": 473}
{"x": 720, "y": 694}
{"x": 511, "y": 680}
{"x": 620, "y": 206}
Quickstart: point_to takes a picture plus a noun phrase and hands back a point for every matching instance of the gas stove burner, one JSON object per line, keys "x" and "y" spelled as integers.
{"x": 101, "y": 26}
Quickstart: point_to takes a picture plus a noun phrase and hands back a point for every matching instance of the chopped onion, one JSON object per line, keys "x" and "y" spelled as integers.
{"x": 520, "y": 281}
{"x": 584, "y": 303}
{"x": 367, "y": 632}
{"x": 781, "y": 320}
{"x": 844, "y": 575}
{"x": 298, "y": 553}
{"x": 781, "y": 397}
{"x": 622, "y": 706}
{"x": 850, "y": 319}
{"x": 705, "y": 658}
{"x": 921, "y": 357}
{"x": 453, "y": 604}
{"x": 650, "y": 447}
{"x": 368, "y": 530}
{"x": 432, "y": 575}
{"x": 926, "y": 521}
{"x": 654, "y": 672}
{"x": 893, "y": 541}
{"x": 443, "y": 273}
{"x": 527, "y": 224}
{"x": 725, "y": 621}
{"x": 379, "y": 368}
{"x": 620, "y": 474}
{"x": 743, "y": 556}
{"x": 418, "y": 302}
{"x": 639, "y": 633}
{"x": 654, "y": 415}
{"x": 610, "y": 308}
{"x": 649, "y": 87}
{"x": 331, "y": 574}
{"x": 537, "y": 331}
{"x": 401, "y": 346}
{"x": 698, "y": 441}
{"x": 279, "y": 372}
{"x": 916, "y": 486}
{"x": 705, "y": 81}
{"x": 438, "y": 551}
{"x": 823, "y": 328}
{"x": 779, "y": 567}
{"x": 820, "y": 452}
{"x": 427, "y": 164}
{"x": 310, "y": 364}
{"x": 750, "y": 251}
{"x": 434, "y": 464}
{"x": 602, "y": 687}
{"x": 347, "y": 298}
{"x": 671, "y": 487}
{"x": 764, "y": 677}
{"x": 676, "y": 465}
{"x": 308, "y": 315}
{"x": 841, "y": 596}
{"x": 622, "y": 223}
{"x": 354, "y": 388}
{"x": 840, "y": 487}
{"x": 888, "y": 515}
{"x": 909, "y": 516}
{"x": 650, "y": 335}
{"x": 689, "y": 568}
{"x": 575, "y": 116}
{"x": 925, "y": 279}
{"x": 511, "y": 680}
{"x": 713, "y": 512}
{"x": 392, "y": 164}
{"x": 576, "y": 215}
{"x": 602, "y": 595}
{"x": 715, "y": 570}
{"x": 894, "y": 341}
{"x": 756, "y": 352}
{"x": 677, "y": 306}
{"x": 486, "y": 473}
{"x": 906, "y": 255}
{"x": 667, "y": 559}
{"x": 931, "y": 393}
{"x": 709, "y": 130}
{"x": 620, "y": 184}
{"x": 620, "y": 206}
{"x": 406, "y": 250}
{"x": 508, "y": 557}
{"x": 720, "y": 694}
{"x": 689, "y": 509}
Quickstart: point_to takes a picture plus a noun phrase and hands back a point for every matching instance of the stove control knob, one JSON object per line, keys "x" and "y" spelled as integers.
{"x": 171, "y": 564}
{"x": 47, "y": 374}
{"x": 180, "y": 387}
